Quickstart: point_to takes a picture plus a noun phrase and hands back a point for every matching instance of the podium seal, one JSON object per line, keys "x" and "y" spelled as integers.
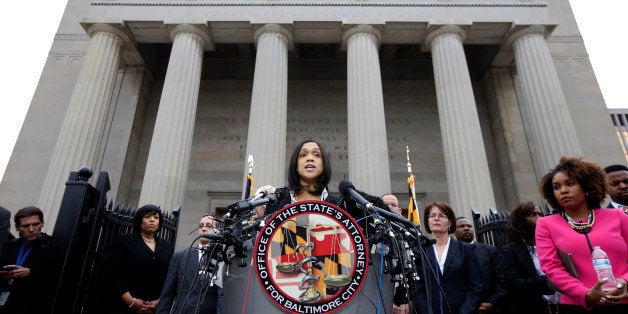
{"x": 311, "y": 257}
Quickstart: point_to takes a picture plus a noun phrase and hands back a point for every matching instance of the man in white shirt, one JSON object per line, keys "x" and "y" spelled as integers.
{"x": 189, "y": 288}
{"x": 393, "y": 203}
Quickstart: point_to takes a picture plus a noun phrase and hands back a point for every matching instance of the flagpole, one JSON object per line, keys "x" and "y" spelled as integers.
{"x": 408, "y": 164}
{"x": 248, "y": 191}
{"x": 413, "y": 214}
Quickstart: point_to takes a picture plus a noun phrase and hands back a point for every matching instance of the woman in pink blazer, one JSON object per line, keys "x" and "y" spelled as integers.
{"x": 575, "y": 188}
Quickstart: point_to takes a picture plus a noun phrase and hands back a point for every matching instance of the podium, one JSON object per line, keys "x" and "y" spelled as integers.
{"x": 308, "y": 257}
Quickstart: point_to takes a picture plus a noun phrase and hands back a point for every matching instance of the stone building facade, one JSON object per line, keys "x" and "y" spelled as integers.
{"x": 620, "y": 121}
{"x": 171, "y": 96}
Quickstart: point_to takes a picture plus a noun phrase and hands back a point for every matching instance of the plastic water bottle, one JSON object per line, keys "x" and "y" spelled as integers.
{"x": 603, "y": 268}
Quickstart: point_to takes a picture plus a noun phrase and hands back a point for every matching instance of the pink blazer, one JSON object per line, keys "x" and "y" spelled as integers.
{"x": 610, "y": 232}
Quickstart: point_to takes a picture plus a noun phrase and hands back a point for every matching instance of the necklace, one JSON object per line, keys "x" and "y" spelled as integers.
{"x": 580, "y": 227}
{"x": 148, "y": 240}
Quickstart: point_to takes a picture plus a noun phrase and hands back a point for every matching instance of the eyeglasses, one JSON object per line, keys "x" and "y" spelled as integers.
{"x": 434, "y": 216}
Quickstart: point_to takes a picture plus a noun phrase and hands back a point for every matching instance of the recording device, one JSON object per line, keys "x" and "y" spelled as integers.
{"x": 213, "y": 236}
{"x": 348, "y": 190}
{"x": 258, "y": 195}
{"x": 241, "y": 207}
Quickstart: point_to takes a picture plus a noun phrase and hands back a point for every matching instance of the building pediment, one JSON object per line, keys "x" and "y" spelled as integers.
{"x": 327, "y": 3}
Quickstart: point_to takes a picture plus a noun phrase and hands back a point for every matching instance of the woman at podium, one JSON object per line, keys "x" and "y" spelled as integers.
{"x": 309, "y": 174}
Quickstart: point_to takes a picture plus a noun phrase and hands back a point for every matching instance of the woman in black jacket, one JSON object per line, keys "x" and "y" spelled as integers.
{"x": 528, "y": 287}
{"x": 452, "y": 266}
{"x": 138, "y": 264}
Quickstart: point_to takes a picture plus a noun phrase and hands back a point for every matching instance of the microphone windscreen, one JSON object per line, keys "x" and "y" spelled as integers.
{"x": 344, "y": 186}
{"x": 213, "y": 236}
{"x": 281, "y": 193}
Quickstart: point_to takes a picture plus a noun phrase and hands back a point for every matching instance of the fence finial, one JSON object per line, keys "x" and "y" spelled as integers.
{"x": 85, "y": 173}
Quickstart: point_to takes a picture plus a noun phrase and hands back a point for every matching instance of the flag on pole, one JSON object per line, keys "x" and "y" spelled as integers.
{"x": 413, "y": 213}
{"x": 248, "y": 191}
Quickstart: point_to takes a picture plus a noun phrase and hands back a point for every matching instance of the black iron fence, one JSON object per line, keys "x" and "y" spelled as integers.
{"x": 492, "y": 228}
{"x": 86, "y": 227}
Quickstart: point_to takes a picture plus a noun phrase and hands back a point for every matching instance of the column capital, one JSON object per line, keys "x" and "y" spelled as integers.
{"x": 119, "y": 30}
{"x": 275, "y": 28}
{"x": 438, "y": 30}
{"x": 361, "y": 29}
{"x": 197, "y": 29}
{"x": 520, "y": 31}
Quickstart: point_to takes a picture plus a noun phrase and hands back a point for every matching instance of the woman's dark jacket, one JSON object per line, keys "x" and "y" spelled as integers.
{"x": 132, "y": 266}
{"x": 525, "y": 286}
{"x": 460, "y": 281}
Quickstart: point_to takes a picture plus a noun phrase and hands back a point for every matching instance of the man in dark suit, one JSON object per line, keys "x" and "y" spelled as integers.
{"x": 188, "y": 288}
{"x": 617, "y": 176}
{"x": 490, "y": 270}
{"x": 25, "y": 266}
{"x": 5, "y": 222}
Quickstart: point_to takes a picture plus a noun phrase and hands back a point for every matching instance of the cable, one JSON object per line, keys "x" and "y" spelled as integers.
{"x": 381, "y": 276}
{"x": 248, "y": 285}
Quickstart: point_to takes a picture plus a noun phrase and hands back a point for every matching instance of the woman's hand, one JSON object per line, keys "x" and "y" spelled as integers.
{"x": 401, "y": 309}
{"x": 141, "y": 306}
{"x": 596, "y": 295}
{"x": 151, "y": 307}
{"x": 619, "y": 294}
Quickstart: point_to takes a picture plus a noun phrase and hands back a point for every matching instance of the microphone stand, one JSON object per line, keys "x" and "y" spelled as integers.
{"x": 421, "y": 239}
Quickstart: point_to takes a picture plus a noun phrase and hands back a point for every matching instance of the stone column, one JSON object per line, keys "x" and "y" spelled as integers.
{"x": 80, "y": 141}
{"x": 266, "y": 139}
{"x": 368, "y": 146}
{"x": 468, "y": 177}
{"x": 169, "y": 156}
{"x": 543, "y": 102}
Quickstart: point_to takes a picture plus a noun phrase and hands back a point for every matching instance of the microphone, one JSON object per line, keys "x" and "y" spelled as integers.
{"x": 257, "y": 196}
{"x": 212, "y": 236}
{"x": 238, "y": 208}
{"x": 348, "y": 190}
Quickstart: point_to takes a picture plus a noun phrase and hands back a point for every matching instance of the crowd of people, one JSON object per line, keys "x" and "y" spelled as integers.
{"x": 527, "y": 275}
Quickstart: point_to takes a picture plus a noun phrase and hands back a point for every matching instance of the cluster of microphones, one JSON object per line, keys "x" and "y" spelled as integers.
{"x": 395, "y": 236}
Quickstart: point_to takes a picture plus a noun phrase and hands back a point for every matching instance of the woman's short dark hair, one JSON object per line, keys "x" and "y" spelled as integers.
{"x": 518, "y": 227}
{"x": 143, "y": 211}
{"x": 446, "y": 209}
{"x": 294, "y": 180}
{"x": 589, "y": 175}
{"x": 27, "y": 212}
